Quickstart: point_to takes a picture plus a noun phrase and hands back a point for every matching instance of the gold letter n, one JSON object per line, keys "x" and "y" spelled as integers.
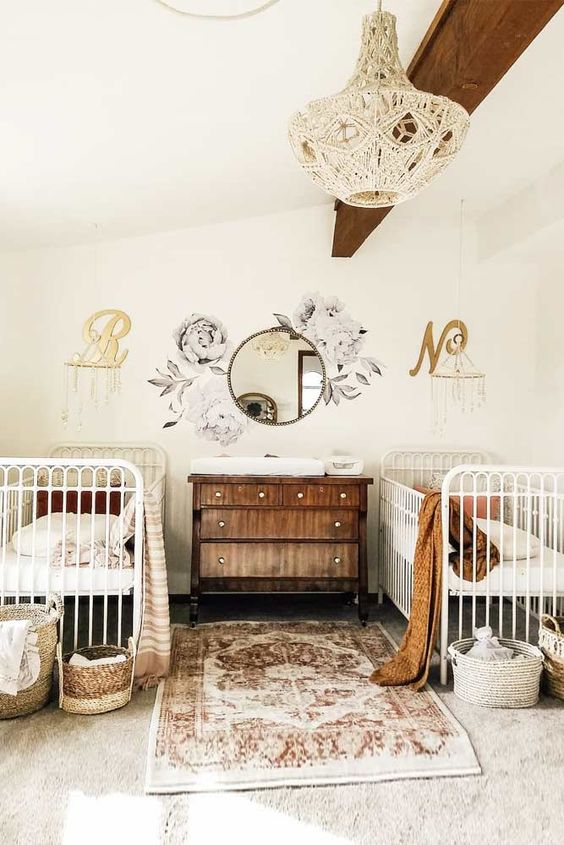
{"x": 428, "y": 344}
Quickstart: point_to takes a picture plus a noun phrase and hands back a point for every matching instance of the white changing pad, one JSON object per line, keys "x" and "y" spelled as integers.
{"x": 512, "y": 577}
{"x": 33, "y": 575}
{"x": 256, "y": 466}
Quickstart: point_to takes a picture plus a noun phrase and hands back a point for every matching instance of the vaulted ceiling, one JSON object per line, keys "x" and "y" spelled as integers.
{"x": 121, "y": 115}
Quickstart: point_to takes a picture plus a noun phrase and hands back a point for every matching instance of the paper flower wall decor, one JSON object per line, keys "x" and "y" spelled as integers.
{"x": 195, "y": 378}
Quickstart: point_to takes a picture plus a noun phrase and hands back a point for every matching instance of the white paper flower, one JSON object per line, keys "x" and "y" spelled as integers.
{"x": 214, "y": 414}
{"x": 202, "y": 340}
{"x": 325, "y": 322}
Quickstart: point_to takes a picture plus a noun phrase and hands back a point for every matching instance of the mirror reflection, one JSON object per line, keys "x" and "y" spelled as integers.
{"x": 276, "y": 377}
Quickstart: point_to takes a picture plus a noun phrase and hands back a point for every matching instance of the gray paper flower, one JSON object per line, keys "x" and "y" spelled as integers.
{"x": 201, "y": 340}
{"x": 214, "y": 414}
{"x": 330, "y": 327}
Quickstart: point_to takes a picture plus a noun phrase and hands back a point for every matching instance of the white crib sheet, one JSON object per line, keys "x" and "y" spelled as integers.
{"x": 510, "y": 580}
{"x": 25, "y": 575}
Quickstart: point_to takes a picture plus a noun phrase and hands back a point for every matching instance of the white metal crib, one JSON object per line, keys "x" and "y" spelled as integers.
{"x": 63, "y": 529}
{"x": 521, "y": 511}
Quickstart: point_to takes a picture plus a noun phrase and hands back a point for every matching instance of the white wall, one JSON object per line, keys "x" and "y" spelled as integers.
{"x": 549, "y": 387}
{"x": 527, "y": 231}
{"x": 242, "y": 272}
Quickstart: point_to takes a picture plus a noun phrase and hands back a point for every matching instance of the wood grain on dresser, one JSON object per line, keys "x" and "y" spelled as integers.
{"x": 279, "y": 534}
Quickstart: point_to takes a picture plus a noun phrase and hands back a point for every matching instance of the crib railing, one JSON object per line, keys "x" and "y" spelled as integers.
{"x": 541, "y": 512}
{"x": 399, "y": 516}
{"x": 149, "y": 459}
{"x": 422, "y": 468}
{"x": 63, "y": 528}
{"x": 401, "y": 472}
{"x": 520, "y": 511}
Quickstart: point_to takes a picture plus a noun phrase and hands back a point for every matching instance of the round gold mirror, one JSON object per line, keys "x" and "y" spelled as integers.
{"x": 276, "y": 376}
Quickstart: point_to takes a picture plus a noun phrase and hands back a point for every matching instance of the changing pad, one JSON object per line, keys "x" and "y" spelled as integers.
{"x": 257, "y": 466}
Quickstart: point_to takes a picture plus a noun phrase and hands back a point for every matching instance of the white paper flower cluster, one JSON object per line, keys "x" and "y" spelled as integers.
{"x": 202, "y": 346}
{"x": 340, "y": 340}
{"x": 202, "y": 399}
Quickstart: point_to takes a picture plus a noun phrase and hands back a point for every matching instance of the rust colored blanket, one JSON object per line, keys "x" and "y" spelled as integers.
{"x": 411, "y": 663}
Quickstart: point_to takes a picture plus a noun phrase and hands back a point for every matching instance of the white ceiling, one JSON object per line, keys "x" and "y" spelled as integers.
{"x": 123, "y": 115}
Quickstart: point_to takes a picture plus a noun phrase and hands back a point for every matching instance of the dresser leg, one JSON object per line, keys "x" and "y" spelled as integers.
{"x": 194, "y": 606}
{"x": 363, "y": 607}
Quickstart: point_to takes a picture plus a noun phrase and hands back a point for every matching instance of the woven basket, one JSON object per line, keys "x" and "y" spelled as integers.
{"x": 497, "y": 683}
{"x": 44, "y": 620}
{"x": 96, "y": 689}
{"x": 551, "y": 641}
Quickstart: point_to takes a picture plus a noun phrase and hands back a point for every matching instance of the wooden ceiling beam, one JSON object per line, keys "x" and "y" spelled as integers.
{"x": 469, "y": 47}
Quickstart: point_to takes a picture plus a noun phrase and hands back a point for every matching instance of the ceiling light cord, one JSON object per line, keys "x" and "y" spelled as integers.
{"x": 460, "y": 261}
{"x": 251, "y": 13}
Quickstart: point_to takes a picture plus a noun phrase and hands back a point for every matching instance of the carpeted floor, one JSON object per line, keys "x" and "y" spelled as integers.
{"x": 66, "y": 780}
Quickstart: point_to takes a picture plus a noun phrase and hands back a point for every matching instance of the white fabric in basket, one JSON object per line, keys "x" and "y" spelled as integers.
{"x": 81, "y": 660}
{"x": 19, "y": 656}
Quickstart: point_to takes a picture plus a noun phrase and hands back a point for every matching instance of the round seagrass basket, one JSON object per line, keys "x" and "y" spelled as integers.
{"x": 497, "y": 683}
{"x": 551, "y": 642}
{"x": 89, "y": 690}
{"x": 44, "y": 619}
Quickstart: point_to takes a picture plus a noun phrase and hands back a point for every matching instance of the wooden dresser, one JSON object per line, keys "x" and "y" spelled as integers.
{"x": 279, "y": 534}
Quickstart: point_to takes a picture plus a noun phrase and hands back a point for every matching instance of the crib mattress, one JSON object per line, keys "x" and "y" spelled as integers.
{"x": 26, "y": 575}
{"x": 510, "y": 578}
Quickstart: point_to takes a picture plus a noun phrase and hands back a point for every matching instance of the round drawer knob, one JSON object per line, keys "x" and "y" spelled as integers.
{"x": 337, "y": 559}
{"x": 337, "y": 525}
{"x": 218, "y": 495}
{"x": 221, "y": 560}
{"x": 221, "y": 523}
{"x": 262, "y": 495}
{"x": 343, "y": 495}
{"x": 300, "y": 495}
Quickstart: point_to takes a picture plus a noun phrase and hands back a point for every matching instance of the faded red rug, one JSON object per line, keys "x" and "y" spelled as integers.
{"x": 251, "y": 704}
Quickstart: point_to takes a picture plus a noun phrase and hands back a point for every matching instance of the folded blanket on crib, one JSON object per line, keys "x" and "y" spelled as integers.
{"x": 411, "y": 664}
{"x": 97, "y": 554}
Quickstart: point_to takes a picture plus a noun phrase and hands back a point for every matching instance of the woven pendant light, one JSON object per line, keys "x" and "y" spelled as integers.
{"x": 380, "y": 141}
{"x": 271, "y": 346}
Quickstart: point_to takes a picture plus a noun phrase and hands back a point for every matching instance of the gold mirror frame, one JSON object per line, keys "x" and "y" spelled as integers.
{"x": 294, "y": 335}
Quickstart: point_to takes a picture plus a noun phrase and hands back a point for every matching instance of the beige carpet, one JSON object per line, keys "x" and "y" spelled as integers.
{"x": 72, "y": 780}
{"x": 268, "y": 704}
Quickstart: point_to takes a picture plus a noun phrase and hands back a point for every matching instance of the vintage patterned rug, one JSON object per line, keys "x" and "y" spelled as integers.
{"x": 253, "y": 704}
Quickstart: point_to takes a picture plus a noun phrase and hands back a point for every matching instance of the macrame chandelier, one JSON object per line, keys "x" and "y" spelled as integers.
{"x": 380, "y": 141}
{"x": 271, "y": 346}
{"x": 456, "y": 382}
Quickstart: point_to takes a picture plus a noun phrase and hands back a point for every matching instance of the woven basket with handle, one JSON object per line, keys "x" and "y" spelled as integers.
{"x": 497, "y": 683}
{"x": 44, "y": 619}
{"x": 551, "y": 642}
{"x": 96, "y": 689}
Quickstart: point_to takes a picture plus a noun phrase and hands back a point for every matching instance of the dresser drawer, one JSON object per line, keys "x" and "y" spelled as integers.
{"x": 289, "y": 524}
{"x": 284, "y": 560}
{"x": 239, "y": 560}
{"x": 240, "y": 494}
{"x": 321, "y": 495}
{"x": 319, "y": 560}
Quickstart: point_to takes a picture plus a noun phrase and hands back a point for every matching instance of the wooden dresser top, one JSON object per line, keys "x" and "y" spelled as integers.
{"x": 280, "y": 479}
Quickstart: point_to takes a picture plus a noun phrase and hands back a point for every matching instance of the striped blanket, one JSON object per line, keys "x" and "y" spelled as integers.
{"x": 153, "y": 646}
